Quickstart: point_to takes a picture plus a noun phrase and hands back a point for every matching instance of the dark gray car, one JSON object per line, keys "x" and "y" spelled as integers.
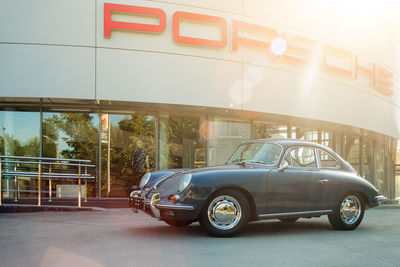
{"x": 263, "y": 179}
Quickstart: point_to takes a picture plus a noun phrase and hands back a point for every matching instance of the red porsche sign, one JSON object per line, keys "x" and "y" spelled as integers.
{"x": 299, "y": 49}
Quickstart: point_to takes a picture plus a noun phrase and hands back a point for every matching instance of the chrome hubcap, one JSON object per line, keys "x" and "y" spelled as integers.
{"x": 224, "y": 212}
{"x": 350, "y": 209}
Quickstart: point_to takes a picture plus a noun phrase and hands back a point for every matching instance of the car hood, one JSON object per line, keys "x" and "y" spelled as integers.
{"x": 159, "y": 175}
{"x": 162, "y": 175}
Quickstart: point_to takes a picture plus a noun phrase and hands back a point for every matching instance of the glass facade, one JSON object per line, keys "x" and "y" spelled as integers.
{"x": 72, "y": 135}
{"x": 180, "y": 143}
{"x": 20, "y": 133}
{"x": 19, "y": 136}
{"x": 352, "y": 151}
{"x": 126, "y": 145}
{"x": 368, "y": 160}
{"x": 128, "y": 154}
{"x": 224, "y": 136}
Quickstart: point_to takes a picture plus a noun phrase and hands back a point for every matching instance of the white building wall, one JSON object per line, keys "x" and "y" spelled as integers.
{"x": 58, "y": 49}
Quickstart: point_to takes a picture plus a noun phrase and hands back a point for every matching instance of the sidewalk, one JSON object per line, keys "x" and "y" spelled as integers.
{"x": 11, "y": 208}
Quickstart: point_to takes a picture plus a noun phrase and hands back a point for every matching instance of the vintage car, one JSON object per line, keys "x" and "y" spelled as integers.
{"x": 263, "y": 179}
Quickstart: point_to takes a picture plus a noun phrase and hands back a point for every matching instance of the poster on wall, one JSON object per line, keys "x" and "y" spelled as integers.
{"x": 104, "y": 127}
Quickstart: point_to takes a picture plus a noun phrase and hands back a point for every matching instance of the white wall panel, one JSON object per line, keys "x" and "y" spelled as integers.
{"x": 46, "y": 71}
{"x": 362, "y": 110}
{"x": 363, "y": 27}
{"x": 47, "y": 21}
{"x": 231, "y": 6}
{"x": 392, "y": 122}
{"x": 163, "y": 78}
{"x": 281, "y": 92}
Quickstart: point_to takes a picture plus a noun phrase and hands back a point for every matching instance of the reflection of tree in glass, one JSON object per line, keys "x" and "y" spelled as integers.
{"x": 81, "y": 135}
{"x": 183, "y": 140}
{"x": 50, "y": 137}
{"x": 132, "y": 150}
{"x": 13, "y": 147}
{"x": 79, "y": 139}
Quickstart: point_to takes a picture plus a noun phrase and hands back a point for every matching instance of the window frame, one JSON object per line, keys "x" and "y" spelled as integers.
{"x": 330, "y": 154}
{"x": 289, "y": 150}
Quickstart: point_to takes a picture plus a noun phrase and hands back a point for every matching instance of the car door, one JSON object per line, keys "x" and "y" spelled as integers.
{"x": 296, "y": 188}
{"x": 329, "y": 183}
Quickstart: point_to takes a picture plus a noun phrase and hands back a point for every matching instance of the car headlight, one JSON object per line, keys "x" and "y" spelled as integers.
{"x": 145, "y": 180}
{"x": 185, "y": 182}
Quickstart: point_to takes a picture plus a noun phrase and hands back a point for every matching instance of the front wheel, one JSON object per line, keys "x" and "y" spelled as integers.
{"x": 349, "y": 212}
{"x": 225, "y": 213}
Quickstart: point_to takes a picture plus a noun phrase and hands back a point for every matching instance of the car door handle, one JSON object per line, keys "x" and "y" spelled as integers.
{"x": 322, "y": 181}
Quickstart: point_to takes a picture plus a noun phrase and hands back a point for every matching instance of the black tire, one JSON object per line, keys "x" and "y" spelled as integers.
{"x": 234, "y": 198}
{"x": 177, "y": 223}
{"x": 289, "y": 220}
{"x": 337, "y": 220}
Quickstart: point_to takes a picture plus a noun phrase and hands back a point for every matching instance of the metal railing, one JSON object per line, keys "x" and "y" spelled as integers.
{"x": 35, "y": 168}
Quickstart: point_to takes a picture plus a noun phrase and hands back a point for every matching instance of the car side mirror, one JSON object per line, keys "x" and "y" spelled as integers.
{"x": 283, "y": 166}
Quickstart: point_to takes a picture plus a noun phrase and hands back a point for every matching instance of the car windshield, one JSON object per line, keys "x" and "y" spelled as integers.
{"x": 265, "y": 153}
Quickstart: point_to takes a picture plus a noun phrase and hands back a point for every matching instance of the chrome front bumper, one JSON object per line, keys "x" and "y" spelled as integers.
{"x": 154, "y": 205}
{"x": 380, "y": 199}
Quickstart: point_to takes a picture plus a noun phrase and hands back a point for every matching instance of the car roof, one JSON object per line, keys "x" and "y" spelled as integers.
{"x": 289, "y": 142}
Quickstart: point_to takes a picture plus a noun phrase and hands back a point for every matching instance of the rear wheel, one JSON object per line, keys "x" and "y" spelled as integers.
{"x": 289, "y": 220}
{"x": 225, "y": 213}
{"x": 349, "y": 212}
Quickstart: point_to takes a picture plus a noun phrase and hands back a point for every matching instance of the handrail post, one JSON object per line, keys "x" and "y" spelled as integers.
{"x": 79, "y": 185}
{"x": 39, "y": 182}
{"x": 15, "y": 184}
{"x": 1, "y": 189}
{"x": 85, "y": 185}
{"x": 50, "y": 185}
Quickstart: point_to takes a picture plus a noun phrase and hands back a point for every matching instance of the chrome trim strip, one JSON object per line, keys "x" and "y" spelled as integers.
{"x": 317, "y": 158}
{"x": 175, "y": 207}
{"x": 301, "y": 213}
{"x": 380, "y": 199}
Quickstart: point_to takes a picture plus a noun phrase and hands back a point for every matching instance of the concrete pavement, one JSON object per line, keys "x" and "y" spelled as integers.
{"x": 118, "y": 237}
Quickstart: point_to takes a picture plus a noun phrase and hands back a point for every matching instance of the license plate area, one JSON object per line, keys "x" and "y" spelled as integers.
{"x": 138, "y": 203}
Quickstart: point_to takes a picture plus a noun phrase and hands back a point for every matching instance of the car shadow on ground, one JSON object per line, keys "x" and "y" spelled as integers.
{"x": 280, "y": 228}
{"x": 267, "y": 228}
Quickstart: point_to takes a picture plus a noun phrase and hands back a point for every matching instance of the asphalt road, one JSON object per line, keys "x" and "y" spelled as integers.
{"x": 121, "y": 238}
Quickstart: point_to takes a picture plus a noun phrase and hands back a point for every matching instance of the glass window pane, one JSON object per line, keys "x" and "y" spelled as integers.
{"x": 305, "y": 134}
{"x": 181, "y": 143}
{"x": 326, "y": 139}
{"x": 130, "y": 153}
{"x": 326, "y": 160}
{"x": 352, "y": 151}
{"x": 19, "y": 136}
{"x": 397, "y": 172}
{"x": 368, "y": 161}
{"x": 224, "y": 136}
{"x": 382, "y": 179}
{"x": 259, "y": 152}
{"x": 269, "y": 130}
{"x": 71, "y": 136}
{"x": 302, "y": 157}
{"x": 19, "y": 133}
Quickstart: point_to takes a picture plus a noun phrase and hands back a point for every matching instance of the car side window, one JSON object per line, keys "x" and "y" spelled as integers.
{"x": 327, "y": 160}
{"x": 302, "y": 157}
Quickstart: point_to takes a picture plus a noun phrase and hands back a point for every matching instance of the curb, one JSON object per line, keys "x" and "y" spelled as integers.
{"x": 13, "y": 208}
